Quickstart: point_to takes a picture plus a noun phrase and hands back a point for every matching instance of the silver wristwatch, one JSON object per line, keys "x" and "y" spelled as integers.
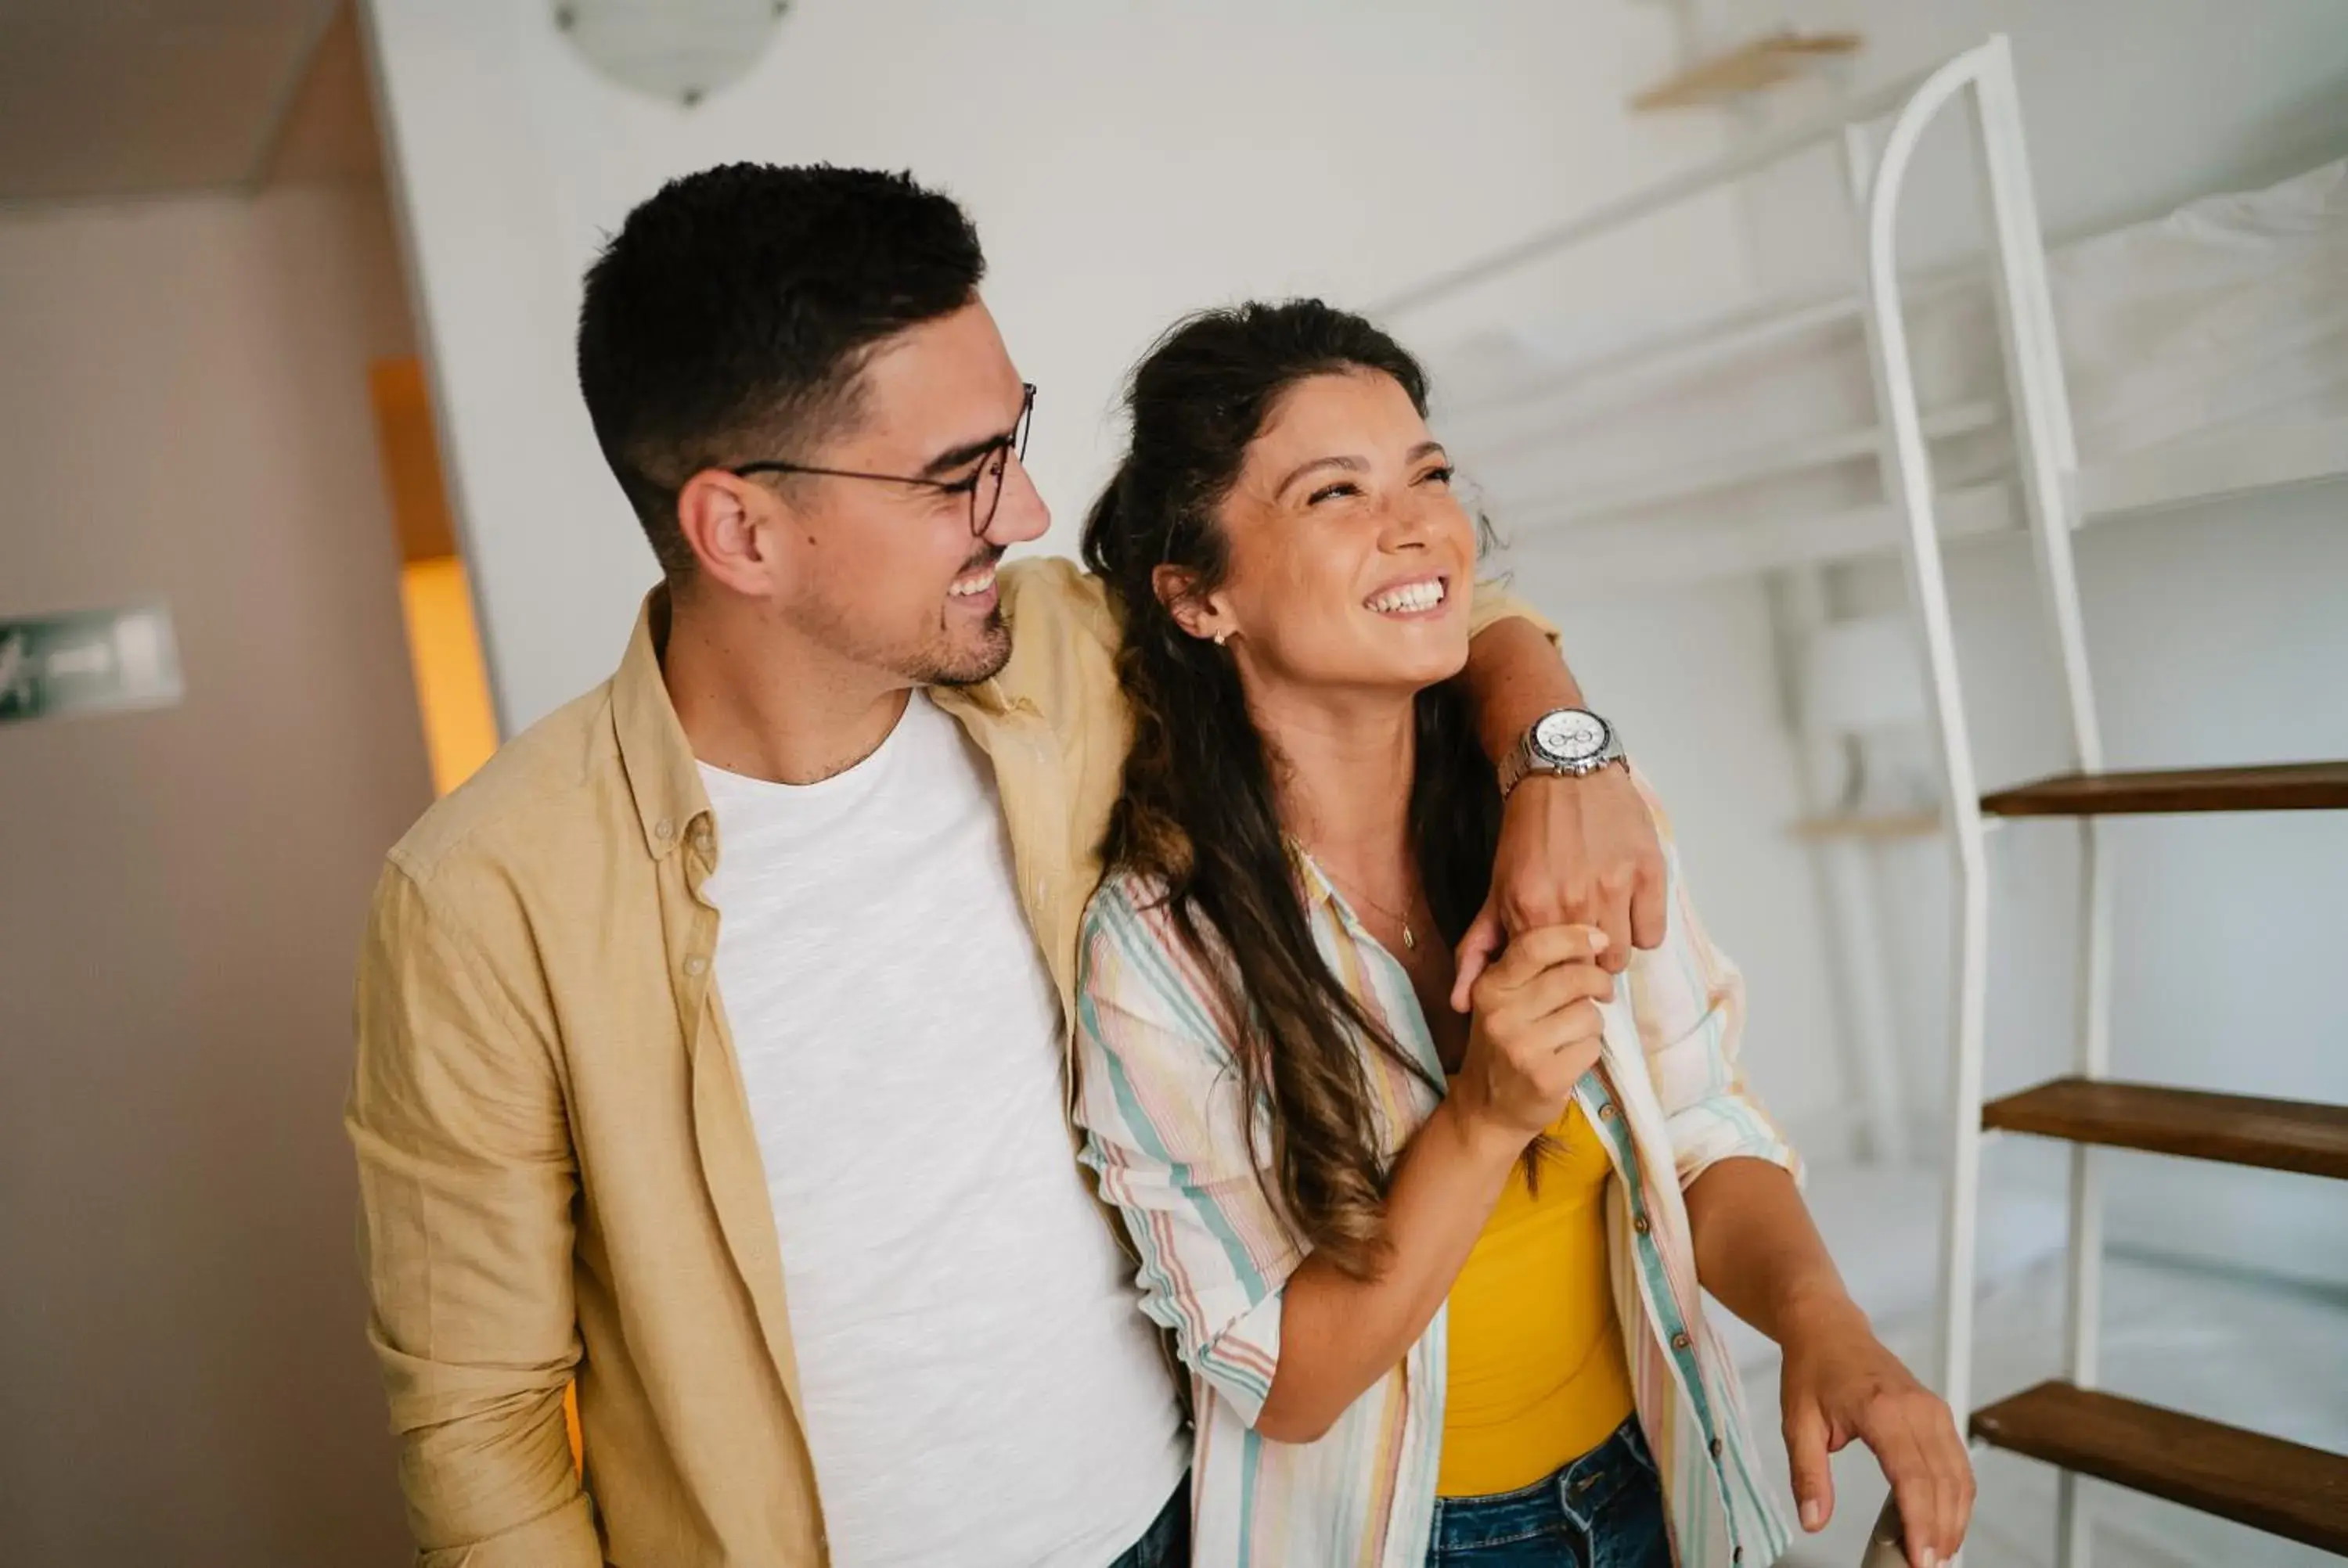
{"x": 1570, "y": 740}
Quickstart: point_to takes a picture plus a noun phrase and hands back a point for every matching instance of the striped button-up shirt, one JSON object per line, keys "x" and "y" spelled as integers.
{"x": 1159, "y": 1099}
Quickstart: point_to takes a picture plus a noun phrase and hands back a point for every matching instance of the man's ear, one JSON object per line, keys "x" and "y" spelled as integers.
{"x": 722, "y": 516}
{"x": 1196, "y": 613}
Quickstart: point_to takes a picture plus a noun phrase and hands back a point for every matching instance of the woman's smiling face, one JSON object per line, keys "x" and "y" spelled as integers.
{"x": 1349, "y": 559}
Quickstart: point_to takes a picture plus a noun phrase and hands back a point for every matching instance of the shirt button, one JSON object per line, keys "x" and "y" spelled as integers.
{"x": 1606, "y": 1112}
{"x": 1680, "y": 1341}
{"x": 1715, "y": 1446}
{"x": 1640, "y": 1224}
{"x": 664, "y": 830}
{"x": 696, "y": 964}
{"x": 1737, "y": 1555}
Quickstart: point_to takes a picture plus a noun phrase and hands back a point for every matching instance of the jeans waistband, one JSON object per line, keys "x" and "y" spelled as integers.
{"x": 1574, "y": 1495}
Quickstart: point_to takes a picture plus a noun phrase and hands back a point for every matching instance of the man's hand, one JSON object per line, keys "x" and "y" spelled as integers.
{"x": 1840, "y": 1382}
{"x": 1537, "y": 1030}
{"x": 1573, "y": 852}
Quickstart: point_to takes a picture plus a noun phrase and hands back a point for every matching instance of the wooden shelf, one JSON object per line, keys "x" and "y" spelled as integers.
{"x": 1747, "y": 68}
{"x": 2292, "y": 786}
{"x": 2265, "y": 1483}
{"x": 2235, "y": 1129}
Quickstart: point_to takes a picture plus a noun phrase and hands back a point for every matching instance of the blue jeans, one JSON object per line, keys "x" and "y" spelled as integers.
{"x": 1605, "y": 1510}
{"x": 1166, "y": 1542}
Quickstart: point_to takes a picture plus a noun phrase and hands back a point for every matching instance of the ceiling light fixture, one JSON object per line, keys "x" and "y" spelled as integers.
{"x": 682, "y": 50}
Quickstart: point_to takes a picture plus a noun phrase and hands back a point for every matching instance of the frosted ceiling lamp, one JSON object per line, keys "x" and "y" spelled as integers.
{"x": 682, "y": 50}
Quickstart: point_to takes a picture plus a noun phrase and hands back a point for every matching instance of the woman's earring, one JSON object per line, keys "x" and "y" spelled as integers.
{"x": 1223, "y": 637}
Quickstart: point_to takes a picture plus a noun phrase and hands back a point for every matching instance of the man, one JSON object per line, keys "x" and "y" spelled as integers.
{"x": 818, "y": 1258}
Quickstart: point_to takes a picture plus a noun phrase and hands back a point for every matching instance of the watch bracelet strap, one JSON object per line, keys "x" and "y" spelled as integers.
{"x": 1512, "y": 771}
{"x": 1519, "y": 765}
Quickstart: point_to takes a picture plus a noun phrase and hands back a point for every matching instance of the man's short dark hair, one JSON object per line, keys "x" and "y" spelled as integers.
{"x": 727, "y": 321}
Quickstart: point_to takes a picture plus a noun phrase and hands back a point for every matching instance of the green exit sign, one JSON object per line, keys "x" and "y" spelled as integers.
{"x": 93, "y": 661}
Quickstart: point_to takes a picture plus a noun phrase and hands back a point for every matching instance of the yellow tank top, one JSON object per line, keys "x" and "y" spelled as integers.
{"x": 1537, "y": 1373}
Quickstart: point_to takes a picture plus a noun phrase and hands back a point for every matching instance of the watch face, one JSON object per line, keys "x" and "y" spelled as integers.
{"x": 1571, "y": 736}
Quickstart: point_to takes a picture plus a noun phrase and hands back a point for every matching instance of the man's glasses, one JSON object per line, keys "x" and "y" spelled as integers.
{"x": 983, "y": 485}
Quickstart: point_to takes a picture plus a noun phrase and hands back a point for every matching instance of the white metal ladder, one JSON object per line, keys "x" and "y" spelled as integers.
{"x": 2292, "y": 1491}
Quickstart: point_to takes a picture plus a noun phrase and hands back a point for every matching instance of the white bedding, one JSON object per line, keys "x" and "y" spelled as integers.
{"x": 2232, "y": 312}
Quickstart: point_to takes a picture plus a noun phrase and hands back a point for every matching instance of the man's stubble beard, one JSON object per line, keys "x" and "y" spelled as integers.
{"x": 945, "y": 665}
{"x": 970, "y": 666}
{"x": 937, "y": 662}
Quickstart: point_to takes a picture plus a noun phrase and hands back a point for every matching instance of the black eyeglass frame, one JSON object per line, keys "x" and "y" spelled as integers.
{"x": 993, "y": 459}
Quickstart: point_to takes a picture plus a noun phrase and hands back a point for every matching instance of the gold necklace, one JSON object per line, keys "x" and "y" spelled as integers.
{"x": 1409, "y": 936}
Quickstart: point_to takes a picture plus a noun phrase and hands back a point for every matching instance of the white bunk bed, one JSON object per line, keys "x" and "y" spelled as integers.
{"x": 2206, "y": 352}
{"x": 2206, "y": 355}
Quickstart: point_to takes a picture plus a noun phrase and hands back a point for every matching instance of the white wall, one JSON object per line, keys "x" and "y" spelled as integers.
{"x": 1125, "y": 163}
{"x": 184, "y": 414}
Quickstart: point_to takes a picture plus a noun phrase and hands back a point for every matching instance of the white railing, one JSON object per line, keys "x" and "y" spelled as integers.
{"x": 2048, "y": 465}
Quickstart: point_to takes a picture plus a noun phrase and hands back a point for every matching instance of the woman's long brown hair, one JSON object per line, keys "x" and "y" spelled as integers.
{"x": 1199, "y": 813}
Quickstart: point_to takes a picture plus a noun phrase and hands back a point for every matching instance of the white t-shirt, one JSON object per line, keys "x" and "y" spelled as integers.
{"x": 979, "y": 1384}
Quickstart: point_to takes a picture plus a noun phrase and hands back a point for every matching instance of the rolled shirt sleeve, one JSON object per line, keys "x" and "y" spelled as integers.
{"x": 1493, "y": 603}
{"x": 1689, "y": 1000}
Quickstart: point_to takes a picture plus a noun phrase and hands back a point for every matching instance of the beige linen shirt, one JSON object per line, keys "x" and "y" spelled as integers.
{"x": 558, "y": 1175}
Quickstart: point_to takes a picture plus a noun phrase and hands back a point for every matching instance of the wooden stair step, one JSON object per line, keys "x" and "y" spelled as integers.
{"x": 2289, "y": 786}
{"x": 2235, "y": 1129}
{"x": 2266, "y": 1482}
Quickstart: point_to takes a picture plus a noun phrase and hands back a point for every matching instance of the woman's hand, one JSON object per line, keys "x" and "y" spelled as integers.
{"x": 1572, "y": 851}
{"x": 1537, "y": 1030}
{"x": 1840, "y": 1382}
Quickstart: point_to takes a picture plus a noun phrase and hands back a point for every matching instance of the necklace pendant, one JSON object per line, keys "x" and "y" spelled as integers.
{"x": 1410, "y": 938}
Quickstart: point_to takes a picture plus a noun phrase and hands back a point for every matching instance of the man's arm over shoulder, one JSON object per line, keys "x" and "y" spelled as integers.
{"x": 1064, "y": 641}
{"x": 1493, "y": 603}
{"x": 466, "y": 1183}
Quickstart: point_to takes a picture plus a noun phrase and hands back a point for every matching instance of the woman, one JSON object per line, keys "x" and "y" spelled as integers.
{"x": 1435, "y": 1275}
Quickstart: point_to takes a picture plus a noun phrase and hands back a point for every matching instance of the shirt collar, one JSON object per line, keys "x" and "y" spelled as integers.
{"x": 655, "y": 754}
{"x": 1311, "y": 880}
{"x": 986, "y": 697}
{"x": 662, "y": 771}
